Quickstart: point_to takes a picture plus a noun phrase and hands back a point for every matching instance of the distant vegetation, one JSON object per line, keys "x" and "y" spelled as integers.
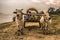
{"x": 52, "y": 10}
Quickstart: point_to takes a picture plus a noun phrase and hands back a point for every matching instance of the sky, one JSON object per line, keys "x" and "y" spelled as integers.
{"x": 8, "y": 6}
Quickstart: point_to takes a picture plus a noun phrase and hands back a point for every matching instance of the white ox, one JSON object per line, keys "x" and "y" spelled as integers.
{"x": 45, "y": 20}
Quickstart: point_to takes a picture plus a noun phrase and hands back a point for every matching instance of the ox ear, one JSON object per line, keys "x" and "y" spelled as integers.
{"x": 46, "y": 13}
{"x": 15, "y": 12}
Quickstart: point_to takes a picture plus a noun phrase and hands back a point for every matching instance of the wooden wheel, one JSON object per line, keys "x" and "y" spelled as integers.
{"x": 31, "y": 9}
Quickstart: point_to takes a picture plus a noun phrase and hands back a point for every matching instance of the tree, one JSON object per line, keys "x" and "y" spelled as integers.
{"x": 58, "y": 11}
{"x": 51, "y": 10}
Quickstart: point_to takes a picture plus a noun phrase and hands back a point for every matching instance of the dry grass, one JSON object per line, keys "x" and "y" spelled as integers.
{"x": 9, "y": 30}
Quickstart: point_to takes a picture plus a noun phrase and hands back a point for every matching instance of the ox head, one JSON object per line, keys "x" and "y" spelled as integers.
{"x": 18, "y": 11}
{"x": 47, "y": 15}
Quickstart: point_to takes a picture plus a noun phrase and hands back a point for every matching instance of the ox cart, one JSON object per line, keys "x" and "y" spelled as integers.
{"x": 32, "y": 17}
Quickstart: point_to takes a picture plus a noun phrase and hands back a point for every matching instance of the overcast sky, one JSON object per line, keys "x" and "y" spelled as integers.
{"x": 8, "y": 6}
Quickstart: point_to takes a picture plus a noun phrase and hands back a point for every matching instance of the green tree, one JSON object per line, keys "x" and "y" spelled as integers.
{"x": 58, "y": 11}
{"x": 51, "y": 10}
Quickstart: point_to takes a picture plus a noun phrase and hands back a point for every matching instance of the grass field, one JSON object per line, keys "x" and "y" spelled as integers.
{"x": 7, "y": 31}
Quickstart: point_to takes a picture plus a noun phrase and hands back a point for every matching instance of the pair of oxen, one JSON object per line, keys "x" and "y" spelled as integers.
{"x": 45, "y": 19}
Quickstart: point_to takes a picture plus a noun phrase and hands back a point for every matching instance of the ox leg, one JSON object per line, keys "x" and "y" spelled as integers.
{"x": 20, "y": 29}
{"x": 45, "y": 31}
{"x": 44, "y": 28}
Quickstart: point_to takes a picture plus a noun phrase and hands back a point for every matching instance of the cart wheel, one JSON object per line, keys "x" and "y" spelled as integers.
{"x": 32, "y": 9}
{"x": 24, "y": 24}
{"x": 39, "y": 25}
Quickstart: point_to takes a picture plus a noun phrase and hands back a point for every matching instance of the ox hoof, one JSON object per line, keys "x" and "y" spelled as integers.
{"x": 18, "y": 33}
